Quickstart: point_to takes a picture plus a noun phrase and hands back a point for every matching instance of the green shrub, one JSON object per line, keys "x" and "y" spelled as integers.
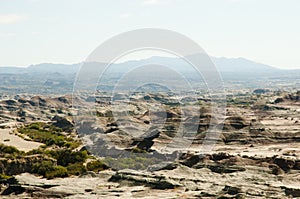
{"x": 66, "y": 156}
{"x": 44, "y": 136}
{"x": 138, "y": 150}
{"x": 138, "y": 161}
{"x": 47, "y": 134}
{"x": 8, "y": 149}
{"x": 4, "y": 177}
{"x": 35, "y": 151}
{"x": 49, "y": 170}
{"x": 96, "y": 166}
{"x": 55, "y": 140}
{"x": 57, "y": 172}
{"x": 36, "y": 126}
{"x": 42, "y": 167}
{"x": 72, "y": 144}
{"x": 76, "y": 169}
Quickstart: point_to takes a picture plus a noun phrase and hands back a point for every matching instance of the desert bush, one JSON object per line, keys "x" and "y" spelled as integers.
{"x": 72, "y": 144}
{"x": 65, "y": 157}
{"x": 96, "y": 166}
{"x": 49, "y": 135}
{"x": 36, "y": 126}
{"x": 43, "y": 136}
{"x": 131, "y": 162}
{"x": 42, "y": 167}
{"x": 35, "y": 151}
{"x": 49, "y": 169}
{"x": 138, "y": 150}
{"x": 4, "y": 177}
{"x": 76, "y": 169}
{"x": 10, "y": 151}
{"x": 57, "y": 172}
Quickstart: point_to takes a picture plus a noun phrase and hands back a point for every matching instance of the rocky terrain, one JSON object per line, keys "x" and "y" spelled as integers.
{"x": 136, "y": 152}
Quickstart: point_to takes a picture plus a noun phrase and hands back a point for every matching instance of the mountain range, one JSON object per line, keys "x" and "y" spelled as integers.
{"x": 236, "y": 65}
{"x": 50, "y": 77}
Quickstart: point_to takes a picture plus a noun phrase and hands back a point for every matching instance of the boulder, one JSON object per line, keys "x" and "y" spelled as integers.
{"x": 135, "y": 178}
{"x": 275, "y": 169}
{"x": 191, "y": 161}
{"x": 232, "y": 190}
{"x": 30, "y": 184}
{"x": 146, "y": 142}
{"x": 284, "y": 164}
{"x": 292, "y": 191}
{"x": 62, "y": 123}
{"x": 234, "y": 122}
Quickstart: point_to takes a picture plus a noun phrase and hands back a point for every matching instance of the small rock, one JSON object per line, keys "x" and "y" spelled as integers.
{"x": 232, "y": 190}
{"x": 276, "y": 170}
{"x": 191, "y": 161}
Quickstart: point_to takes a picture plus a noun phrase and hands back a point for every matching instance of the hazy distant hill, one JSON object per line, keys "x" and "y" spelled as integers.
{"x": 49, "y": 67}
{"x": 48, "y": 77}
{"x": 236, "y": 65}
{"x": 42, "y": 68}
{"x": 241, "y": 65}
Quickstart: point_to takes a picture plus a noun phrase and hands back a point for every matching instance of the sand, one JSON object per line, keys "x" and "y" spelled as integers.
{"x": 8, "y": 138}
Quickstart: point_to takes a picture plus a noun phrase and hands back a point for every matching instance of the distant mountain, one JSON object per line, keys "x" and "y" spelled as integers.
{"x": 235, "y": 65}
{"x": 241, "y": 65}
{"x": 42, "y": 68}
{"x": 51, "y": 78}
{"x": 12, "y": 70}
{"x": 54, "y": 68}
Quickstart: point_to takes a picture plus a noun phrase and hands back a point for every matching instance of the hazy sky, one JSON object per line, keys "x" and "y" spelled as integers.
{"x": 66, "y": 31}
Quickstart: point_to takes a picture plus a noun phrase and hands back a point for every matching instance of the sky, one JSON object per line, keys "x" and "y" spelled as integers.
{"x": 67, "y": 31}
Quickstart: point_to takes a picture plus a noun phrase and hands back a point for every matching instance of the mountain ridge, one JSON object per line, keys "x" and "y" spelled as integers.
{"x": 223, "y": 64}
